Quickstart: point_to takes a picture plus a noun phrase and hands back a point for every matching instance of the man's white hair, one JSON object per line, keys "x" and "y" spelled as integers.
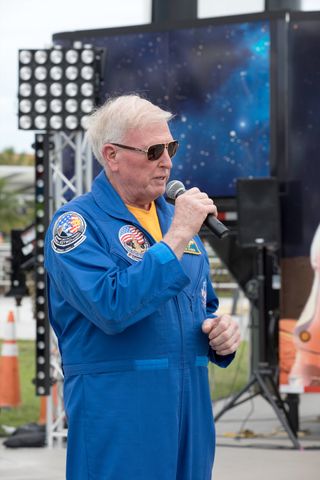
{"x": 112, "y": 121}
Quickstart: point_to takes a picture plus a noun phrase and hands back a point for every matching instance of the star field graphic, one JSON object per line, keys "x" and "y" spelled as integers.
{"x": 215, "y": 78}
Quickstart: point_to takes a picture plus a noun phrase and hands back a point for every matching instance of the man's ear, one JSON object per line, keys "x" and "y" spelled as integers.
{"x": 110, "y": 156}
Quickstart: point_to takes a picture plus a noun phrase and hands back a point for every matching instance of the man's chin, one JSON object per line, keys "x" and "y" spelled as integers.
{"x": 157, "y": 191}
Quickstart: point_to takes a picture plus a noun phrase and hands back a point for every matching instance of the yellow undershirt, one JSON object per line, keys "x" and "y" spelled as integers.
{"x": 148, "y": 219}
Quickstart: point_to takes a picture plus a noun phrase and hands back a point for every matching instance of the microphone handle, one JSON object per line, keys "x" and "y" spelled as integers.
{"x": 216, "y": 227}
{"x": 211, "y": 222}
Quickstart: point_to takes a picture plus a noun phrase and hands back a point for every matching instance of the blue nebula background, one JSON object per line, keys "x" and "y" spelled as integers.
{"x": 216, "y": 80}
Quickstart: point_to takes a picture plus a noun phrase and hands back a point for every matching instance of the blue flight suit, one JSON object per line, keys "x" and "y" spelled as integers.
{"x": 128, "y": 314}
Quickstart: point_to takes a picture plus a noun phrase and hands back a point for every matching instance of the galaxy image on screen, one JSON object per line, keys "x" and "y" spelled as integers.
{"x": 216, "y": 79}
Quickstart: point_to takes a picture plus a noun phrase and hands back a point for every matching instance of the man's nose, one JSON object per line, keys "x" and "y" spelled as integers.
{"x": 165, "y": 159}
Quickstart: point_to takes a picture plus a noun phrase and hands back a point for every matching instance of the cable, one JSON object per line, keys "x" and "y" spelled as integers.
{"x": 241, "y": 429}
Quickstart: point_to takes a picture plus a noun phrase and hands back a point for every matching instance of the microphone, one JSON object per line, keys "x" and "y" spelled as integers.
{"x": 175, "y": 188}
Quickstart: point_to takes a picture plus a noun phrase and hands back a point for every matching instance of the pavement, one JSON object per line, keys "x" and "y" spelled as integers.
{"x": 251, "y": 443}
{"x": 269, "y": 453}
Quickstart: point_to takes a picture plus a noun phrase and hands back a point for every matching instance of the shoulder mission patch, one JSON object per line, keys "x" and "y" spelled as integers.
{"x": 68, "y": 232}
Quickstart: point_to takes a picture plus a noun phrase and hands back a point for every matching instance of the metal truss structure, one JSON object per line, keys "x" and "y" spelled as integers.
{"x": 67, "y": 172}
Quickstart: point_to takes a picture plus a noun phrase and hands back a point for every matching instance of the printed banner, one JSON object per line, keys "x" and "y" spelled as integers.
{"x": 299, "y": 349}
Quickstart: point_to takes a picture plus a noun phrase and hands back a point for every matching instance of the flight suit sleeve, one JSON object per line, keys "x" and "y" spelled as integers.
{"x": 113, "y": 298}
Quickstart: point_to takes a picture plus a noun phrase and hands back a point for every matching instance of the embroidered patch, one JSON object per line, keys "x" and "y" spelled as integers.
{"x": 68, "y": 232}
{"x": 204, "y": 294}
{"x": 192, "y": 248}
{"x": 133, "y": 241}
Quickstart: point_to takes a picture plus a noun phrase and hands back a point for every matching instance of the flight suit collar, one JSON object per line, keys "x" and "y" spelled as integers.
{"x": 108, "y": 198}
{"x": 110, "y": 202}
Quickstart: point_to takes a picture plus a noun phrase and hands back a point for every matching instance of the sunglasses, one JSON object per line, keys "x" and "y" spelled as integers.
{"x": 154, "y": 152}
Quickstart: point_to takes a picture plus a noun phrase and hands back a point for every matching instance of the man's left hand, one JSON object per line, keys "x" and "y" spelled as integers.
{"x": 223, "y": 333}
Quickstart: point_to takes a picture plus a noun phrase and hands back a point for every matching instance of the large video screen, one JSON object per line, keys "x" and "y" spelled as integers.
{"x": 216, "y": 79}
{"x": 303, "y": 166}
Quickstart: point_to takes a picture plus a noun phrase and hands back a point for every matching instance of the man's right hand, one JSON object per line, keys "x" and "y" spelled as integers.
{"x": 191, "y": 210}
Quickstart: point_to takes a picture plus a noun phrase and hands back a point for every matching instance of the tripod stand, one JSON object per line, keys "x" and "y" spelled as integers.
{"x": 262, "y": 376}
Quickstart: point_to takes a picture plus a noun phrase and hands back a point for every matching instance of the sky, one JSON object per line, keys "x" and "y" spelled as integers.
{"x": 31, "y": 24}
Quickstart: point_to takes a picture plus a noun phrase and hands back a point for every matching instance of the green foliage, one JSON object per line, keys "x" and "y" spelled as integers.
{"x": 12, "y": 213}
{"x": 30, "y": 408}
{"x": 227, "y": 381}
{"x": 9, "y": 157}
{"x": 9, "y": 216}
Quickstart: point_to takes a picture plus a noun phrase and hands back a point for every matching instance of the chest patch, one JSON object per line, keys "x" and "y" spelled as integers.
{"x": 192, "y": 248}
{"x": 68, "y": 232}
{"x": 133, "y": 241}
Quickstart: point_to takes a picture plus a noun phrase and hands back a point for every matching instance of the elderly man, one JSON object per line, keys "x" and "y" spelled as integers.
{"x": 132, "y": 305}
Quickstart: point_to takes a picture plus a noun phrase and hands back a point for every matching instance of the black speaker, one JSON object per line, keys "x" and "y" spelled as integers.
{"x": 258, "y": 212}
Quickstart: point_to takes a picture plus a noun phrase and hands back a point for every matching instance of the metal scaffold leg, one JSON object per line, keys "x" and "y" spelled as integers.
{"x": 63, "y": 171}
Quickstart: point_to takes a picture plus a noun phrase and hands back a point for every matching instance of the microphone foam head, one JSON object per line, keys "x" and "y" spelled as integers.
{"x": 174, "y": 189}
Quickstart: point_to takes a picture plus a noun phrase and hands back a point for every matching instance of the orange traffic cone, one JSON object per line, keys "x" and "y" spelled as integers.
{"x": 9, "y": 367}
{"x": 43, "y": 411}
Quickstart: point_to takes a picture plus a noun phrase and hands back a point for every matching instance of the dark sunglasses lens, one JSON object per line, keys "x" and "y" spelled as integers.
{"x": 155, "y": 151}
{"x": 172, "y": 148}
